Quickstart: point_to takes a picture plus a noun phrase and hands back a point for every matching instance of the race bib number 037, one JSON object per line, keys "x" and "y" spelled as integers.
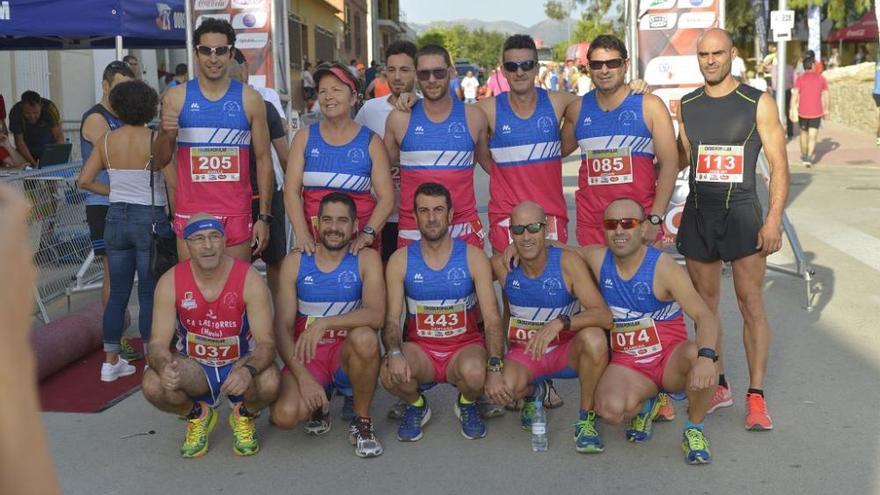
{"x": 441, "y": 322}
{"x": 636, "y": 338}
{"x": 215, "y": 164}
{"x": 607, "y": 167}
{"x": 719, "y": 163}
{"x": 211, "y": 351}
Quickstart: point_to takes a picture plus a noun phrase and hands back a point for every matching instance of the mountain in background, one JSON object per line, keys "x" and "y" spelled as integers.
{"x": 550, "y": 31}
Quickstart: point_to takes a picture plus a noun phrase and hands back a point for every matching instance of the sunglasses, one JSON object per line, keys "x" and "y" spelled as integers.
{"x": 116, "y": 65}
{"x": 533, "y": 228}
{"x": 613, "y": 63}
{"x": 213, "y": 50}
{"x": 439, "y": 74}
{"x": 626, "y": 223}
{"x": 525, "y": 65}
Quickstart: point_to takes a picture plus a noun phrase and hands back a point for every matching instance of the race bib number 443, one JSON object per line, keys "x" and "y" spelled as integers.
{"x": 215, "y": 164}
{"x": 606, "y": 167}
{"x": 636, "y": 338}
{"x": 719, "y": 163}
{"x": 441, "y": 322}
{"x": 211, "y": 351}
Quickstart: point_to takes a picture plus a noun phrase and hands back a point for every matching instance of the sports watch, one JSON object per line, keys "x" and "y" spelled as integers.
{"x": 265, "y": 218}
{"x": 369, "y": 231}
{"x": 566, "y": 322}
{"x": 495, "y": 364}
{"x": 708, "y": 352}
{"x": 655, "y": 219}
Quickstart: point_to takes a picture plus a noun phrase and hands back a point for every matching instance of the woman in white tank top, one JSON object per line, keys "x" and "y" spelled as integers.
{"x": 126, "y": 154}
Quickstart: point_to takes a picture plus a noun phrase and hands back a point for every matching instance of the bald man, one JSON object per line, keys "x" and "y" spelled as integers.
{"x": 220, "y": 309}
{"x": 723, "y": 127}
{"x": 650, "y": 350}
{"x": 555, "y": 330}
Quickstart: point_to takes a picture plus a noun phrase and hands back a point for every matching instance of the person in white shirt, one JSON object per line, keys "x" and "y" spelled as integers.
{"x": 469, "y": 86}
{"x": 738, "y": 68}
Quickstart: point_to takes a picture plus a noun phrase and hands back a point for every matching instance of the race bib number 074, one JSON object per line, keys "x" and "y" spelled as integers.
{"x": 636, "y": 338}
{"x": 441, "y": 322}
{"x": 215, "y": 164}
{"x": 719, "y": 163}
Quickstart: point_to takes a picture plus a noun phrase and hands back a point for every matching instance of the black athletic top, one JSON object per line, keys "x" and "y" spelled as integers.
{"x": 729, "y": 121}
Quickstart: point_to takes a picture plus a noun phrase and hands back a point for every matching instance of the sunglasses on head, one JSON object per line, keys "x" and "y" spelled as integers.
{"x": 613, "y": 63}
{"x": 425, "y": 74}
{"x": 525, "y": 65}
{"x": 533, "y": 228}
{"x": 626, "y": 223}
{"x": 215, "y": 50}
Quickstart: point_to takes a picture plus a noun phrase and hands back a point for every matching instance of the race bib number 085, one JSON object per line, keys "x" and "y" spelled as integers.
{"x": 441, "y": 322}
{"x": 636, "y": 338}
{"x": 215, "y": 164}
{"x": 719, "y": 163}
{"x": 211, "y": 351}
{"x": 611, "y": 166}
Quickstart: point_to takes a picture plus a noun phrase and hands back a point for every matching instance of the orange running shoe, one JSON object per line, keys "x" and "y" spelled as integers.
{"x": 722, "y": 398}
{"x": 757, "y": 418}
{"x": 667, "y": 411}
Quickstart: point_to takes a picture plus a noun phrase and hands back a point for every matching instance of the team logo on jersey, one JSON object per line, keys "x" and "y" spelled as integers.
{"x": 417, "y": 278}
{"x": 211, "y": 314}
{"x": 456, "y": 276}
{"x": 505, "y": 129}
{"x": 230, "y": 300}
{"x": 308, "y": 280}
{"x": 627, "y": 118}
{"x": 194, "y": 106}
{"x": 232, "y": 108}
{"x": 551, "y": 285}
{"x": 356, "y": 155}
{"x": 609, "y": 283}
{"x": 641, "y": 291}
{"x": 189, "y": 302}
{"x": 457, "y": 130}
{"x": 588, "y": 121}
{"x": 315, "y": 153}
{"x": 545, "y": 124}
{"x": 514, "y": 284}
{"x": 419, "y": 130}
{"x": 347, "y": 279}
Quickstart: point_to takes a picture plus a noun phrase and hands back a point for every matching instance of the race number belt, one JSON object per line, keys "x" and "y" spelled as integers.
{"x": 212, "y": 351}
{"x": 608, "y": 167}
{"x": 520, "y": 330}
{"x": 551, "y": 228}
{"x": 636, "y": 338}
{"x": 214, "y": 164}
{"x": 719, "y": 163}
{"x": 441, "y": 321}
{"x": 331, "y": 335}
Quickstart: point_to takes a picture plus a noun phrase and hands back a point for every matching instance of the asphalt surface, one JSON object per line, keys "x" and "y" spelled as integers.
{"x": 821, "y": 392}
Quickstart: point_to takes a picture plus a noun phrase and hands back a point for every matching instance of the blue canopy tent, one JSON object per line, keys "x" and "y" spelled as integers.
{"x": 83, "y": 24}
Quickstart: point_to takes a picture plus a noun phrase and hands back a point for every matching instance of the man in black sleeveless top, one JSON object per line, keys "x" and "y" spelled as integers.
{"x": 723, "y": 126}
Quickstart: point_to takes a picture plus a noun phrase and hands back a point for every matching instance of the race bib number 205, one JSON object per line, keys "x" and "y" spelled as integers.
{"x": 215, "y": 164}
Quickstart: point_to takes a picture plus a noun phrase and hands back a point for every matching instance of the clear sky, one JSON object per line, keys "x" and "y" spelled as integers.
{"x": 524, "y": 12}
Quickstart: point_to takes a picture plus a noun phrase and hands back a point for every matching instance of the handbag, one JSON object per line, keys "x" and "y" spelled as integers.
{"x": 163, "y": 250}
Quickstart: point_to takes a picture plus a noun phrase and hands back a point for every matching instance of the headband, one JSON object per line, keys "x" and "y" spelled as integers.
{"x": 204, "y": 224}
{"x": 344, "y": 76}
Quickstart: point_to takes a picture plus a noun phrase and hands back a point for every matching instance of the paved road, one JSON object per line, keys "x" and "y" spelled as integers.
{"x": 821, "y": 392}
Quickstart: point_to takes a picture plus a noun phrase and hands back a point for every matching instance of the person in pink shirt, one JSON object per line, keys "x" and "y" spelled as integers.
{"x": 497, "y": 82}
{"x": 810, "y": 102}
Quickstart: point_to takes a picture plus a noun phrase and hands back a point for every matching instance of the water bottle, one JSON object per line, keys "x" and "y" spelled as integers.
{"x": 539, "y": 427}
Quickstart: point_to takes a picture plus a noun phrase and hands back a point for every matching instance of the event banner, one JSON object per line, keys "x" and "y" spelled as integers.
{"x": 667, "y": 49}
{"x": 251, "y": 20}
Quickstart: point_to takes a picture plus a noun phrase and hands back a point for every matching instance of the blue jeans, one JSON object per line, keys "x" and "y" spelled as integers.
{"x": 128, "y": 236}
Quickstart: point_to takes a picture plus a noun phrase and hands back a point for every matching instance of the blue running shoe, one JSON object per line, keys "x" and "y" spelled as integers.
{"x": 695, "y": 446}
{"x": 414, "y": 418}
{"x": 586, "y": 436}
{"x": 642, "y": 425}
{"x": 472, "y": 424}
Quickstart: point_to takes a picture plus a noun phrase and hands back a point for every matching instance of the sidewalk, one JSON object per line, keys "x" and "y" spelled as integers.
{"x": 838, "y": 145}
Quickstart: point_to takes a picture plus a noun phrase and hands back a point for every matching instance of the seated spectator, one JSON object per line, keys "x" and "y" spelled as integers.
{"x": 9, "y": 156}
{"x": 34, "y": 122}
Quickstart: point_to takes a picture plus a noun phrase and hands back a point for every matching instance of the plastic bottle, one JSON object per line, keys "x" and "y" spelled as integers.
{"x": 539, "y": 427}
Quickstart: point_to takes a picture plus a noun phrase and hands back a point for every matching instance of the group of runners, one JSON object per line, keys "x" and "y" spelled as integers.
{"x": 389, "y": 280}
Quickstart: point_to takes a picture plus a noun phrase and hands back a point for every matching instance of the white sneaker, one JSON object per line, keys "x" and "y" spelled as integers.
{"x": 110, "y": 372}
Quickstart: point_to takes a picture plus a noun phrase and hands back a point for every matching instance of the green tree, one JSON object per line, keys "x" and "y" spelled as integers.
{"x": 594, "y": 19}
{"x": 479, "y": 46}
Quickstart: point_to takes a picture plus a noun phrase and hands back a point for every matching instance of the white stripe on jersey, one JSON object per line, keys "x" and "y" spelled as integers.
{"x": 665, "y": 313}
{"x": 456, "y": 230}
{"x": 525, "y": 152}
{"x": 637, "y": 144}
{"x": 332, "y": 180}
{"x": 437, "y": 158}
{"x": 468, "y": 302}
{"x": 326, "y": 308}
{"x": 543, "y": 314}
{"x": 213, "y": 135}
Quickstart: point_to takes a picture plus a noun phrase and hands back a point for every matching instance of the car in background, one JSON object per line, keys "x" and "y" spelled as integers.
{"x": 462, "y": 65}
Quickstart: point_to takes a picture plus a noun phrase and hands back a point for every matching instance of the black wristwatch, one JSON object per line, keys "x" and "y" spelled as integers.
{"x": 566, "y": 322}
{"x": 265, "y": 217}
{"x": 708, "y": 352}
{"x": 369, "y": 231}
{"x": 253, "y": 371}
{"x": 495, "y": 364}
{"x": 655, "y": 219}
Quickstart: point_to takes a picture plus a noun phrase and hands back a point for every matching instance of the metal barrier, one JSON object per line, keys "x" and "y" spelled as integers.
{"x": 59, "y": 234}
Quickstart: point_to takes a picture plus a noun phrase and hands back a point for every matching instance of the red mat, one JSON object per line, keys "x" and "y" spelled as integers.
{"x": 78, "y": 387}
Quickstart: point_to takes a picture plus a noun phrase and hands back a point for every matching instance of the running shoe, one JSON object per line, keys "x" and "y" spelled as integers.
{"x": 552, "y": 399}
{"x": 723, "y": 397}
{"x": 396, "y": 411}
{"x": 641, "y": 427}
{"x": 586, "y": 436}
{"x": 472, "y": 425}
{"x": 363, "y": 437}
{"x": 695, "y": 446}
{"x": 244, "y": 432}
{"x": 667, "y": 411}
{"x": 110, "y": 372}
{"x": 319, "y": 424}
{"x": 489, "y": 409}
{"x": 195, "y": 444}
{"x": 414, "y": 418}
{"x": 127, "y": 351}
{"x": 347, "y": 407}
{"x": 757, "y": 418}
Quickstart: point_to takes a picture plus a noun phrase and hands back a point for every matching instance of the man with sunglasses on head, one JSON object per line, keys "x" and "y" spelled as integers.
{"x": 647, "y": 292}
{"x": 723, "y": 126}
{"x": 556, "y": 325}
{"x": 437, "y": 142}
{"x": 216, "y": 124}
{"x": 620, "y": 135}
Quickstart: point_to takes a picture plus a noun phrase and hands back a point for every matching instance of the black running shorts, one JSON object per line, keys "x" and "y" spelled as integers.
{"x": 712, "y": 234}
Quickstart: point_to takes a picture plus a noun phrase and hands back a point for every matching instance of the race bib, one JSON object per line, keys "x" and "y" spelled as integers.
{"x": 441, "y": 322}
{"x": 395, "y": 178}
{"x": 719, "y": 163}
{"x": 211, "y": 351}
{"x": 331, "y": 335}
{"x": 608, "y": 167}
{"x": 551, "y": 229}
{"x": 520, "y": 331}
{"x": 215, "y": 164}
{"x": 636, "y": 338}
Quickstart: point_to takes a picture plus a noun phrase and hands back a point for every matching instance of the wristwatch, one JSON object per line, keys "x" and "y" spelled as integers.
{"x": 265, "y": 217}
{"x": 566, "y": 322}
{"x": 655, "y": 219}
{"x": 708, "y": 352}
{"x": 495, "y": 364}
{"x": 253, "y": 371}
{"x": 369, "y": 231}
